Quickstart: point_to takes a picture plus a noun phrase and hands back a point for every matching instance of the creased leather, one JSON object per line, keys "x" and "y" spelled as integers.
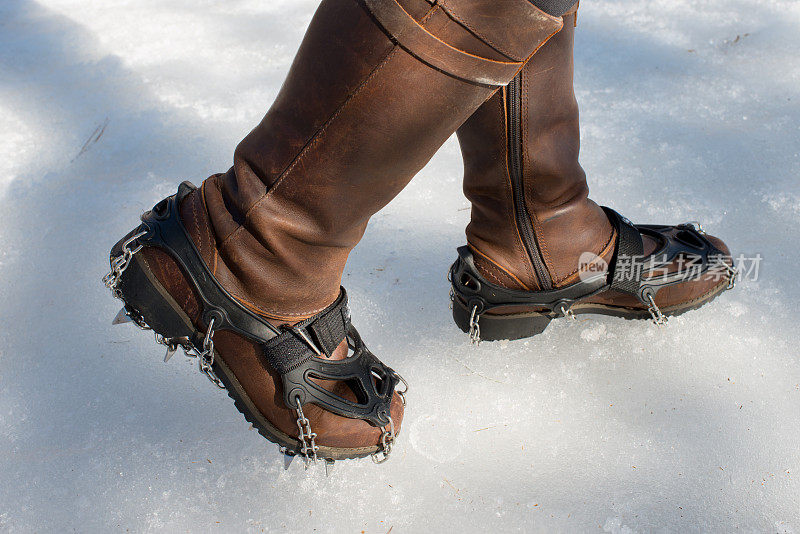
{"x": 356, "y": 118}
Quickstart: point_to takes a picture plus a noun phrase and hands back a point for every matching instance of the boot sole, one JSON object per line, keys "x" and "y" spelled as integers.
{"x": 529, "y": 324}
{"x": 143, "y": 293}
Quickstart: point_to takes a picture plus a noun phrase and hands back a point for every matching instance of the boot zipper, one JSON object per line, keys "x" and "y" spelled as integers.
{"x": 514, "y": 110}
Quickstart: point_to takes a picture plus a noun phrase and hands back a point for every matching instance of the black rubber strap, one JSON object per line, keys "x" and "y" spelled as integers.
{"x": 629, "y": 265}
{"x": 624, "y": 273}
{"x": 330, "y": 329}
{"x": 370, "y": 382}
{"x": 478, "y": 292}
{"x": 683, "y": 243}
{"x": 320, "y": 334}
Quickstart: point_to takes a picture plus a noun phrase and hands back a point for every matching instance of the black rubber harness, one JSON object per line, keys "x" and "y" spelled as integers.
{"x": 629, "y": 272}
{"x": 298, "y": 353}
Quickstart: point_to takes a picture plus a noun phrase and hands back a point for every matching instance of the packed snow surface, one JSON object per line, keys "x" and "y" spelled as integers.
{"x": 690, "y": 112}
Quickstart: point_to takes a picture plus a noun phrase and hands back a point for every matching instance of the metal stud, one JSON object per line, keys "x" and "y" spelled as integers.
{"x": 171, "y": 350}
{"x": 122, "y": 317}
{"x": 287, "y": 461}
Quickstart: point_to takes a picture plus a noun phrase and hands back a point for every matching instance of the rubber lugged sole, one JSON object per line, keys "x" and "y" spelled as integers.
{"x": 497, "y": 327}
{"x": 144, "y": 295}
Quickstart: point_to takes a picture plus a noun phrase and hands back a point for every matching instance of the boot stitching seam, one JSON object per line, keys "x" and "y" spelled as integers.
{"x": 310, "y": 144}
{"x": 500, "y": 267}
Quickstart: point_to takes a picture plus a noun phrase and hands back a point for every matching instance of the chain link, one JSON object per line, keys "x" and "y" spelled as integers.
{"x": 402, "y": 394}
{"x": 475, "y": 326}
{"x": 655, "y": 312}
{"x": 567, "y": 312}
{"x": 171, "y": 344}
{"x": 733, "y": 273}
{"x": 387, "y": 442}
{"x": 121, "y": 263}
{"x": 306, "y": 436}
{"x": 205, "y": 357}
{"x": 452, "y": 289}
{"x": 696, "y": 226}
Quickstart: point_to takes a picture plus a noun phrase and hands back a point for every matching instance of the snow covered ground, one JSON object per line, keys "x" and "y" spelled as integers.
{"x": 691, "y": 112}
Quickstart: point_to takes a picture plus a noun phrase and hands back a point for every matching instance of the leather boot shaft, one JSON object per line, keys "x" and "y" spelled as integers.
{"x": 376, "y": 88}
{"x": 531, "y": 216}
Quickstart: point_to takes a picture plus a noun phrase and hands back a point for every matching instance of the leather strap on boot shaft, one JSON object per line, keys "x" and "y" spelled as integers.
{"x": 430, "y": 49}
{"x": 298, "y": 353}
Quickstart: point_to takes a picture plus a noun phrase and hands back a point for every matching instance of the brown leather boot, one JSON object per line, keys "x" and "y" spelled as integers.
{"x": 538, "y": 247}
{"x": 245, "y": 271}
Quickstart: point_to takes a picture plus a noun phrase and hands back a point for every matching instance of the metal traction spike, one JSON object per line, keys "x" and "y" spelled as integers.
{"x": 287, "y": 461}
{"x": 170, "y": 353}
{"x": 329, "y": 465}
{"x": 122, "y": 317}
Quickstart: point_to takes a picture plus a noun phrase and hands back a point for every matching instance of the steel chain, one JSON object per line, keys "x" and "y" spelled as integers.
{"x": 475, "y": 326}
{"x": 387, "y": 442}
{"x": 306, "y": 436}
{"x": 121, "y": 263}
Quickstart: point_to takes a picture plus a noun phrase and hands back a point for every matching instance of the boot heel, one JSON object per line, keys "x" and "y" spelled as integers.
{"x": 498, "y": 327}
{"x": 144, "y": 295}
